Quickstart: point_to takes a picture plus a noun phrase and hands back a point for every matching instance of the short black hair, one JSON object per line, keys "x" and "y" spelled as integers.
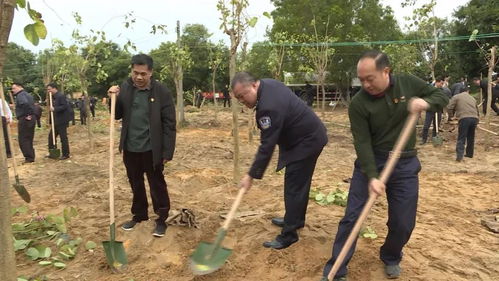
{"x": 142, "y": 59}
{"x": 18, "y": 84}
{"x": 53, "y": 85}
{"x": 476, "y": 79}
{"x": 464, "y": 89}
{"x": 439, "y": 79}
{"x": 243, "y": 78}
{"x": 380, "y": 58}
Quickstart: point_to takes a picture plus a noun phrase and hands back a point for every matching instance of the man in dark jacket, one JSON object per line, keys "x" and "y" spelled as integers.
{"x": 26, "y": 126}
{"x": 93, "y": 101}
{"x": 286, "y": 121}
{"x": 484, "y": 84}
{"x": 147, "y": 139}
{"x": 82, "y": 106}
{"x": 62, "y": 115}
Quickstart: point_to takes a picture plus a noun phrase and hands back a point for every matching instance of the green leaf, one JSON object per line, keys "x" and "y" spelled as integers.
{"x": 21, "y": 3}
{"x": 40, "y": 29}
{"x": 19, "y": 210}
{"x": 33, "y": 253}
{"x": 90, "y": 245}
{"x": 22, "y": 279}
{"x": 31, "y": 35}
{"x": 43, "y": 251}
{"x": 64, "y": 255}
{"x": 44, "y": 263}
{"x": 266, "y": 14}
{"x": 60, "y": 265}
{"x": 252, "y": 21}
{"x": 319, "y": 197}
{"x": 21, "y": 244}
{"x": 330, "y": 197}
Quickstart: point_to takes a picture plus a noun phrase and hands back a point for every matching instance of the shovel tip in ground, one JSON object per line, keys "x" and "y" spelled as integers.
{"x": 208, "y": 258}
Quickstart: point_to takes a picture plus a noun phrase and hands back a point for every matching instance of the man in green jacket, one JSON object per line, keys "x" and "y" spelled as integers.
{"x": 377, "y": 114}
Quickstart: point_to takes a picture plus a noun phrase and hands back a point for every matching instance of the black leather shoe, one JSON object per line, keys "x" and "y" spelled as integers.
{"x": 278, "y": 221}
{"x": 64, "y": 157}
{"x": 275, "y": 244}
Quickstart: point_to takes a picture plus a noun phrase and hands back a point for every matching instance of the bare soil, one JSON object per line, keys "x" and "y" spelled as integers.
{"x": 448, "y": 243}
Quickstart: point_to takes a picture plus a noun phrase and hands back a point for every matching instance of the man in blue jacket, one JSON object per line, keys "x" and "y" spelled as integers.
{"x": 286, "y": 121}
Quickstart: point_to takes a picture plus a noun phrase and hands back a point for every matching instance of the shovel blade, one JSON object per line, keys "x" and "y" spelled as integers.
{"x": 115, "y": 254}
{"x": 207, "y": 258}
{"x": 437, "y": 141}
{"x": 54, "y": 153}
{"x": 21, "y": 190}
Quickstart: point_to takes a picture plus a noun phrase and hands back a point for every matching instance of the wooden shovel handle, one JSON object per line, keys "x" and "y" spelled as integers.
{"x": 385, "y": 174}
{"x": 9, "y": 133}
{"x": 233, "y": 209}
{"x": 111, "y": 158}
{"x": 52, "y": 118}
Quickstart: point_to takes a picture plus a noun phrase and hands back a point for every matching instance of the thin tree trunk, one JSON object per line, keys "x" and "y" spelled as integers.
{"x": 7, "y": 257}
{"x": 489, "y": 95}
{"x": 180, "y": 99}
{"x": 235, "y": 112}
{"x": 179, "y": 77}
{"x": 323, "y": 97}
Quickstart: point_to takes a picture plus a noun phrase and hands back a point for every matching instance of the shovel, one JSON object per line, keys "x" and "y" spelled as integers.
{"x": 436, "y": 140}
{"x": 115, "y": 251}
{"x": 385, "y": 174}
{"x": 21, "y": 190}
{"x": 209, "y": 257}
{"x": 54, "y": 153}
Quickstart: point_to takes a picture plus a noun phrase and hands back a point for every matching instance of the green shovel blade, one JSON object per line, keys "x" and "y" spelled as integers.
{"x": 115, "y": 251}
{"x": 208, "y": 257}
{"x": 437, "y": 141}
{"x": 21, "y": 190}
{"x": 54, "y": 153}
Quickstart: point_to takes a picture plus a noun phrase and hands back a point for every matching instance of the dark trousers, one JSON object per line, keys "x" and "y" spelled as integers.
{"x": 466, "y": 135}
{"x": 297, "y": 180}
{"x": 6, "y": 136}
{"x": 138, "y": 163}
{"x": 83, "y": 117}
{"x": 92, "y": 110}
{"x": 39, "y": 122}
{"x": 429, "y": 119}
{"x": 227, "y": 101}
{"x": 402, "y": 197}
{"x": 61, "y": 130}
{"x": 26, "y": 133}
{"x": 492, "y": 104}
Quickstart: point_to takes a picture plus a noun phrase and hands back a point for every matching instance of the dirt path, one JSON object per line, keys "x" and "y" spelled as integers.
{"x": 448, "y": 243}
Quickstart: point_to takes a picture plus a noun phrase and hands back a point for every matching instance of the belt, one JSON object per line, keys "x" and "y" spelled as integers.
{"x": 403, "y": 154}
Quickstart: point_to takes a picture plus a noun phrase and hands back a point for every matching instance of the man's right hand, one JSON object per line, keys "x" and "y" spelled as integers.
{"x": 113, "y": 90}
{"x": 377, "y": 187}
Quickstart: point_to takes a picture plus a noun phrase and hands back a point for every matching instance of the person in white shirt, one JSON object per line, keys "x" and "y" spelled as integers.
{"x": 6, "y": 114}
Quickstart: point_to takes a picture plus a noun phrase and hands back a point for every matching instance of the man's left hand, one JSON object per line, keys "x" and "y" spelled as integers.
{"x": 416, "y": 105}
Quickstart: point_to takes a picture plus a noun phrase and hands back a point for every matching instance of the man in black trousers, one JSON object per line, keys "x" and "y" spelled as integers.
{"x": 27, "y": 120}
{"x": 147, "y": 139}
{"x": 484, "y": 85}
{"x": 286, "y": 121}
{"x": 62, "y": 115}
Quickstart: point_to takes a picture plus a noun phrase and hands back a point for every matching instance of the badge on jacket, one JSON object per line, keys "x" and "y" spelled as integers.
{"x": 265, "y": 122}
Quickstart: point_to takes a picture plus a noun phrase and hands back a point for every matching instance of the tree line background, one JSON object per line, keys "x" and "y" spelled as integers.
{"x": 289, "y": 53}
